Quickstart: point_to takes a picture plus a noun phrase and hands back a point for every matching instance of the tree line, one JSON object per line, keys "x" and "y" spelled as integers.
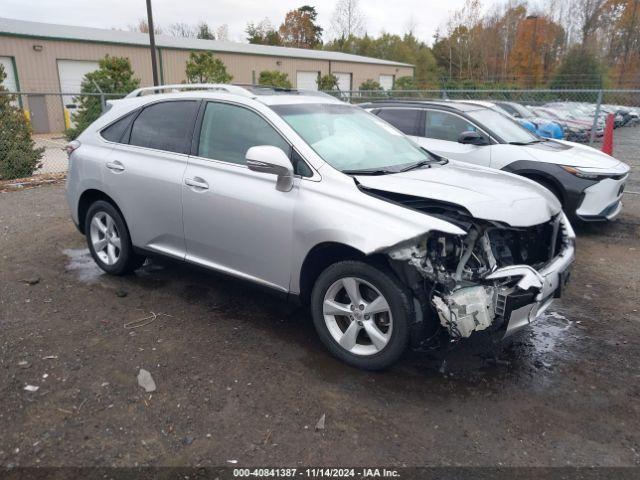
{"x": 514, "y": 43}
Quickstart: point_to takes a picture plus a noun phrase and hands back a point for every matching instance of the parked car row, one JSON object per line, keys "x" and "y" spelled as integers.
{"x": 399, "y": 223}
{"x": 588, "y": 183}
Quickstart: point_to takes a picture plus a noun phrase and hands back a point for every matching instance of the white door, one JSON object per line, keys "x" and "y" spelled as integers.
{"x": 441, "y": 134}
{"x": 344, "y": 81}
{"x": 386, "y": 82}
{"x": 307, "y": 80}
{"x": 71, "y": 73}
{"x": 10, "y": 82}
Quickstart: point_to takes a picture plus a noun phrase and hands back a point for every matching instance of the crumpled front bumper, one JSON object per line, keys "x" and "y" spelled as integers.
{"x": 536, "y": 290}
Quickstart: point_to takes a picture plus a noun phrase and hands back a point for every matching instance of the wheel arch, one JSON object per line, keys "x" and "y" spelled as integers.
{"x": 88, "y": 198}
{"x": 539, "y": 176}
{"x": 319, "y": 258}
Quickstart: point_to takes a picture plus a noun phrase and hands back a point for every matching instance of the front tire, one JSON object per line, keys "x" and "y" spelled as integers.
{"x": 362, "y": 314}
{"x": 109, "y": 241}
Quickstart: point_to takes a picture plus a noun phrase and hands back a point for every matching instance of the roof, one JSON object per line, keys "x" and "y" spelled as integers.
{"x": 52, "y": 31}
{"x": 450, "y": 104}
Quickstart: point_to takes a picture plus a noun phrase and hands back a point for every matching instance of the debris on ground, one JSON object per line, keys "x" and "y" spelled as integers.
{"x": 24, "y": 364}
{"x": 320, "y": 424}
{"x": 145, "y": 380}
{"x": 121, "y": 293}
{"x": 141, "y": 322}
{"x": 31, "y": 388}
{"x": 50, "y": 357}
{"x": 31, "y": 280}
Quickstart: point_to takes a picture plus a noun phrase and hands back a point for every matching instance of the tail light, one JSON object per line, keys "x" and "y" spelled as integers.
{"x": 71, "y": 147}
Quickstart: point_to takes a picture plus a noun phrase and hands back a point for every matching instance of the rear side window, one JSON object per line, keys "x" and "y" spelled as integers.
{"x": 115, "y": 131}
{"x": 445, "y": 126}
{"x": 228, "y": 131}
{"x": 404, "y": 119}
{"x": 165, "y": 126}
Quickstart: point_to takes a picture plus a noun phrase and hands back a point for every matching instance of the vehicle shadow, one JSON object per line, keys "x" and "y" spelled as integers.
{"x": 470, "y": 363}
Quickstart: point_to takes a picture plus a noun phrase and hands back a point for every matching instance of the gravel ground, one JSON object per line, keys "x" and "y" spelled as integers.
{"x": 242, "y": 377}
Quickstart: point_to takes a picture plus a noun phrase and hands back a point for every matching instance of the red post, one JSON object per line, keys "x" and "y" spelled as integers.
{"x": 607, "y": 142}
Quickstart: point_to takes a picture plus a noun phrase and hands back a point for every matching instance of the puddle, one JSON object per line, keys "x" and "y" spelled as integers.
{"x": 81, "y": 262}
{"x": 550, "y": 332}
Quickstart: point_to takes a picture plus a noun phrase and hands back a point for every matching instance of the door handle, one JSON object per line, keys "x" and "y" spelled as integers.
{"x": 115, "y": 166}
{"x": 197, "y": 182}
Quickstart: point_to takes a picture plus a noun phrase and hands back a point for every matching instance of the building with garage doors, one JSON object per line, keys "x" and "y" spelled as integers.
{"x": 44, "y": 58}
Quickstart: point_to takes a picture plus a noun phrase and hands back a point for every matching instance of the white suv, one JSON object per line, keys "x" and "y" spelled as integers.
{"x": 321, "y": 201}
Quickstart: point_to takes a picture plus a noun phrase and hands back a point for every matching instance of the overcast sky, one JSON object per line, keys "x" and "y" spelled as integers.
{"x": 381, "y": 15}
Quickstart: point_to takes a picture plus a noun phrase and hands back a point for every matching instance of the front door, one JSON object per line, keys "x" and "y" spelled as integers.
{"x": 440, "y": 135}
{"x": 234, "y": 219}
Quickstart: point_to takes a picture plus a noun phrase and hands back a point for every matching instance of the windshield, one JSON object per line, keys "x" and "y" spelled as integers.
{"x": 522, "y": 110}
{"x": 507, "y": 129}
{"x": 348, "y": 138}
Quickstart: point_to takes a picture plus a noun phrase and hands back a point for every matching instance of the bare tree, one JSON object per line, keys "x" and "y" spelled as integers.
{"x": 181, "y": 29}
{"x": 347, "y": 19}
{"x": 222, "y": 32}
{"x": 588, "y": 13}
{"x": 143, "y": 27}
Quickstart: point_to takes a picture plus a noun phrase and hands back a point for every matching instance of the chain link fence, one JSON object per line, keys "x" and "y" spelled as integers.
{"x": 580, "y": 113}
{"x": 49, "y": 115}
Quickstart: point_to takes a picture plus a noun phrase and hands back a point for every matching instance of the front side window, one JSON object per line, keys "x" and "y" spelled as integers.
{"x": 404, "y": 119}
{"x": 446, "y": 126}
{"x": 165, "y": 126}
{"x": 349, "y": 138}
{"x": 228, "y": 131}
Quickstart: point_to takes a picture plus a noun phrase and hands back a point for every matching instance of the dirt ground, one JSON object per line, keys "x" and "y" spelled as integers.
{"x": 241, "y": 377}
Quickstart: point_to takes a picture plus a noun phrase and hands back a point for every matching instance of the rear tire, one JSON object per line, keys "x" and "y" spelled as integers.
{"x": 362, "y": 314}
{"x": 109, "y": 241}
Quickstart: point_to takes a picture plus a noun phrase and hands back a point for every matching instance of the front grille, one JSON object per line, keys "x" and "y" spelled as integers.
{"x": 533, "y": 246}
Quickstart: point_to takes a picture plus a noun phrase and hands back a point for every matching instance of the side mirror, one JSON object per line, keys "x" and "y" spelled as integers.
{"x": 472, "y": 138}
{"x": 271, "y": 160}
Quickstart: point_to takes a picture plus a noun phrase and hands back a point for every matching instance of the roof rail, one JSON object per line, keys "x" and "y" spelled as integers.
{"x": 222, "y": 87}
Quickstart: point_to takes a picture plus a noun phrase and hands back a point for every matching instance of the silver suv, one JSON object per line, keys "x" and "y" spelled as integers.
{"x": 324, "y": 202}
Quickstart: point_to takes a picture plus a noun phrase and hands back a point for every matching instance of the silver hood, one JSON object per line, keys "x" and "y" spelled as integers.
{"x": 487, "y": 194}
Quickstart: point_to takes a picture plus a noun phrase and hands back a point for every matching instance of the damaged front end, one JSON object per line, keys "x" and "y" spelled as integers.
{"x": 496, "y": 277}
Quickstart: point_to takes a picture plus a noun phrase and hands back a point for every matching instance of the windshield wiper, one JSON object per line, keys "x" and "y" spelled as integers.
{"x": 420, "y": 164}
{"x": 369, "y": 172}
{"x": 526, "y": 143}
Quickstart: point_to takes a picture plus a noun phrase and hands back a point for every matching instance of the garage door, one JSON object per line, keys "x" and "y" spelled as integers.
{"x": 71, "y": 73}
{"x": 386, "y": 81}
{"x": 344, "y": 81}
{"x": 10, "y": 82}
{"x": 307, "y": 80}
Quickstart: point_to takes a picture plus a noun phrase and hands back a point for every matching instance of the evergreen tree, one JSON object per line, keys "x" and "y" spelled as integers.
{"x": 18, "y": 155}
{"x": 114, "y": 76}
{"x": 274, "y": 78}
{"x": 204, "y": 67}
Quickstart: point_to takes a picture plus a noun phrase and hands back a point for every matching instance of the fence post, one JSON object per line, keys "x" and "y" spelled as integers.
{"x": 103, "y": 103}
{"x": 596, "y": 117}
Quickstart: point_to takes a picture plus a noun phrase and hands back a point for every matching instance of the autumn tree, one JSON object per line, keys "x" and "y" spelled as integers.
{"x": 263, "y": 33}
{"x": 204, "y": 67}
{"x": 300, "y": 29}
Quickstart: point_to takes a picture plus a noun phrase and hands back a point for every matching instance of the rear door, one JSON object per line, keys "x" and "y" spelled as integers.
{"x": 439, "y": 132}
{"x": 234, "y": 219}
{"x": 144, "y": 174}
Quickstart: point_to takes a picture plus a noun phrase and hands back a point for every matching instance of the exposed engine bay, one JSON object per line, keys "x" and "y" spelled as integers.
{"x": 485, "y": 278}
